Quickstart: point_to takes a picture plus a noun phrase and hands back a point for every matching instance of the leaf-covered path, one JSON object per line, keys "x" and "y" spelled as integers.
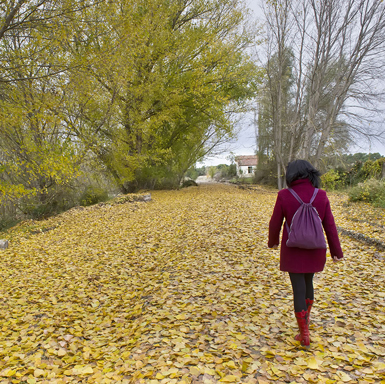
{"x": 181, "y": 290}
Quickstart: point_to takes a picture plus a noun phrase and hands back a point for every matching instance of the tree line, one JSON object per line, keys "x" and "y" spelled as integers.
{"x": 128, "y": 92}
{"x": 323, "y": 85}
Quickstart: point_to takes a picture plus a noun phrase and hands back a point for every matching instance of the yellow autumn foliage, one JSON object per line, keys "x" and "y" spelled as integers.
{"x": 182, "y": 289}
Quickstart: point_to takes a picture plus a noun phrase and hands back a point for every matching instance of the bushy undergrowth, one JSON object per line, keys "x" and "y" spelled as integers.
{"x": 93, "y": 195}
{"x": 331, "y": 180}
{"x": 370, "y": 191}
{"x": 85, "y": 190}
{"x": 349, "y": 176}
{"x": 6, "y": 222}
{"x": 266, "y": 174}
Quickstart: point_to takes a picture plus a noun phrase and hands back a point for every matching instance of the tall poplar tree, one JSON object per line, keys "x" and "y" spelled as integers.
{"x": 337, "y": 50}
{"x": 162, "y": 84}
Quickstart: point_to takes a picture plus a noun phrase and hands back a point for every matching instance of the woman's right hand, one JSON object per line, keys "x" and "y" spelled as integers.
{"x": 336, "y": 259}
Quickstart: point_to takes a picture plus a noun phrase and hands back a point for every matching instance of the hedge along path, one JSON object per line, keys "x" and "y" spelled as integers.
{"x": 180, "y": 290}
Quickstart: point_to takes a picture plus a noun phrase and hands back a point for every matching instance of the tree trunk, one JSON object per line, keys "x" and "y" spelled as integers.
{"x": 279, "y": 175}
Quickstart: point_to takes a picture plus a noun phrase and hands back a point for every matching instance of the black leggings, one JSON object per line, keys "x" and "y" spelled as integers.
{"x": 302, "y": 284}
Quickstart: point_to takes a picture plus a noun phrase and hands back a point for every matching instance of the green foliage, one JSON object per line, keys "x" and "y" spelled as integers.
{"x": 246, "y": 180}
{"x": 194, "y": 173}
{"x": 373, "y": 169}
{"x": 93, "y": 195}
{"x": 7, "y": 221}
{"x": 143, "y": 89}
{"x": 351, "y": 159}
{"x": 189, "y": 183}
{"x": 350, "y": 174}
{"x": 47, "y": 202}
{"x": 163, "y": 99}
{"x": 266, "y": 174}
{"x": 370, "y": 191}
{"x": 331, "y": 180}
{"x": 227, "y": 171}
{"x": 212, "y": 172}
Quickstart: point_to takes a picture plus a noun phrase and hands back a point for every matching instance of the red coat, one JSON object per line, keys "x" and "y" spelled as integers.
{"x": 298, "y": 260}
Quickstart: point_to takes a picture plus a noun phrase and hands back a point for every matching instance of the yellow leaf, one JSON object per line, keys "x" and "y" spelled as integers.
{"x": 245, "y": 366}
{"x": 38, "y": 373}
{"x": 8, "y": 372}
{"x": 362, "y": 347}
{"x": 300, "y": 361}
{"x": 344, "y": 377}
{"x": 210, "y": 371}
{"x": 195, "y": 371}
{"x": 379, "y": 366}
{"x": 229, "y": 379}
{"x": 230, "y": 364}
{"x": 312, "y": 363}
{"x": 276, "y": 370}
{"x": 87, "y": 370}
{"x": 61, "y": 352}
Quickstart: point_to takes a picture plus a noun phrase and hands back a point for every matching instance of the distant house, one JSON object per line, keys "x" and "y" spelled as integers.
{"x": 246, "y": 165}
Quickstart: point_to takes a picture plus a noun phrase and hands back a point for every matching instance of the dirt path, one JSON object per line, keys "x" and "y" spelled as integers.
{"x": 182, "y": 289}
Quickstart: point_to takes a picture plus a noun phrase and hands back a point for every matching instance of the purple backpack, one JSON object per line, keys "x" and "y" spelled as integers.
{"x": 306, "y": 226}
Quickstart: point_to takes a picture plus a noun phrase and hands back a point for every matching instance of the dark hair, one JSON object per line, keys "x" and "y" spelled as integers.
{"x": 302, "y": 169}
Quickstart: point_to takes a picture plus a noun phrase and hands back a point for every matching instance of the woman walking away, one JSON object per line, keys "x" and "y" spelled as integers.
{"x": 306, "y": 210}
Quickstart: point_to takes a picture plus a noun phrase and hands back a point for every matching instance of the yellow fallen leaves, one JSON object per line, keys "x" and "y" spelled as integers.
{"x": 229, "y": 379}
{"x": 8, "y": 372}
{"x": 181, "y": 290}
{"x": 61, "y": 352}
{"x": 313, "y": 363}
{"x": 39, "y": 372}
{"x": 344, "y": 376}
{"x": 359, "y": 217}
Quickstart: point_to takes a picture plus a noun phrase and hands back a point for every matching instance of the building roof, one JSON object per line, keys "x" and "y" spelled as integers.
{"x": 246, "y": 160}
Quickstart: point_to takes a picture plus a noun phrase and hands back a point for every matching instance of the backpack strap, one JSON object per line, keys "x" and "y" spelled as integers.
{"x": 295, "y": 195}
{"x": 299, "y": 199}
{"x": 314, "y": 195}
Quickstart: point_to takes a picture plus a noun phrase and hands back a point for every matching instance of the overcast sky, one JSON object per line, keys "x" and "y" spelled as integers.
{"x": 246, "y": 141}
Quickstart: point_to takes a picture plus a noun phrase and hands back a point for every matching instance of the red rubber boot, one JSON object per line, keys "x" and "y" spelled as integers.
{"x": 303, "y": 328}
{"x": 309, "y": 304}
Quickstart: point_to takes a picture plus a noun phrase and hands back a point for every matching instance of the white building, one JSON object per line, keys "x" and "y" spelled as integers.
{"x": 246, "y": 165}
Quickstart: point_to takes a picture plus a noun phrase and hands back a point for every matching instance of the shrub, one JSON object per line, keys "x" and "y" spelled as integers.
{"x": 364, "y": 171}
{"x": 46, "y": 203}
{"x": 266, "y": 174}
{"x": 246, "y": 180}
{"x": 331, "y": 180}
{"x": 193, "y": 172}
{"x": 7, "y": 222}
{"x": 370, "y": 191}
{"x": 93, "y": 195}
{"x": 212, "y": 172}
{"x": 227, "y": 171}
{"x": 189, "y": 183}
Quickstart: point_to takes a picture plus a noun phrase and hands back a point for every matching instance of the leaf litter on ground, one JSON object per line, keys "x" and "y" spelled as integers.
{"x": 182, "y": 289}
